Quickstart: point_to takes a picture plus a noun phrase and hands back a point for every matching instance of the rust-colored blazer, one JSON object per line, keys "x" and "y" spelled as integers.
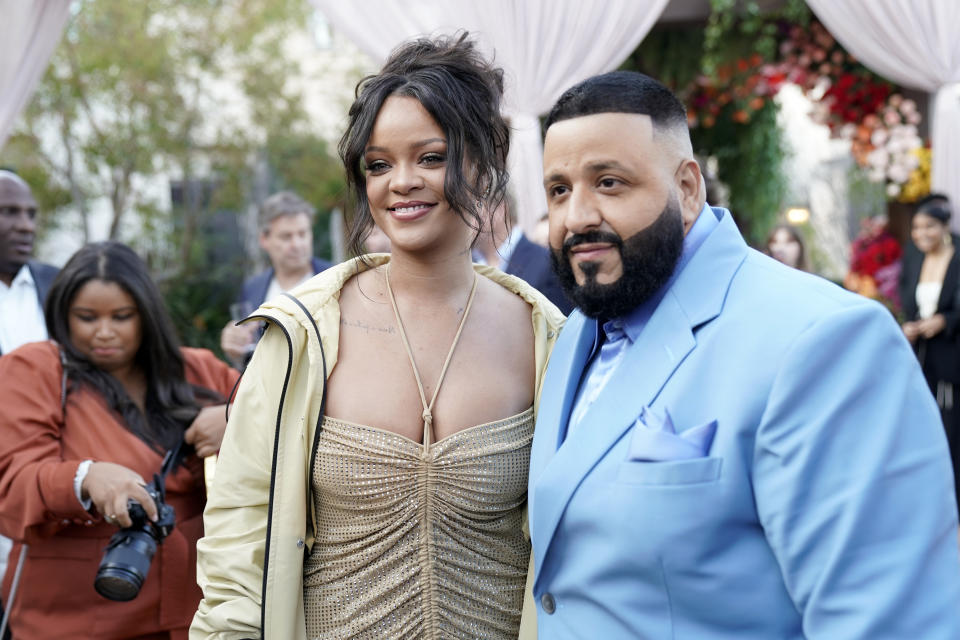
{"x": 40, "y": 449}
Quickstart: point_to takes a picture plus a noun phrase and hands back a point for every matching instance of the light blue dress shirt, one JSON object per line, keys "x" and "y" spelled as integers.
{"x": 621, "y": 332}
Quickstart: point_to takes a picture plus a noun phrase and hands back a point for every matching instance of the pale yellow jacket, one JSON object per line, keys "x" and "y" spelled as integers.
{"x": 259, "y": 519}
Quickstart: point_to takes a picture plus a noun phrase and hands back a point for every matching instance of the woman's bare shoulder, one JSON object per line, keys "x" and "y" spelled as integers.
{"x": 505, "y": 308}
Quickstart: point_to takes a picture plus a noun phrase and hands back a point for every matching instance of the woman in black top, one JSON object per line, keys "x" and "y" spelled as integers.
{"x": 930, "y": 294}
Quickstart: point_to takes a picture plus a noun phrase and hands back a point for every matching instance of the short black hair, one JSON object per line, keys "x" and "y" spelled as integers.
{"x": 620, "y": 92}
{"x": 935, "y": 205}
{"x": 461, "y": 91}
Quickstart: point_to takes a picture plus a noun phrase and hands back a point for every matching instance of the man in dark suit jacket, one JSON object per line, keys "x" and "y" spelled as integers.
{"x": 286, "y": 235}
{"x": 23, "y": 282}
{"x": 255, "y": 288}
{"x": 508, "y": 249}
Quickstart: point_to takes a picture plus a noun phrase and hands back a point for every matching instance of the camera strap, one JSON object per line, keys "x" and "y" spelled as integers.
{"x": 171, "y": 459}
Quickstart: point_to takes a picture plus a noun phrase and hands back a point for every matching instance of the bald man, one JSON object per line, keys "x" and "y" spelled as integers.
{"x": 23, "y": 282}
{"x": 725, "y": 447}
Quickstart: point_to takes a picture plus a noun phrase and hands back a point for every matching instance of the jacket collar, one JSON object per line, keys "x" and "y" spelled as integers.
{"x": 321, "y": 293}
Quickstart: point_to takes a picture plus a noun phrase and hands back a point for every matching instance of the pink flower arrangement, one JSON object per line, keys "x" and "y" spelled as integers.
{"x": 890, "y": 156}
{"x": 857, "y": 105}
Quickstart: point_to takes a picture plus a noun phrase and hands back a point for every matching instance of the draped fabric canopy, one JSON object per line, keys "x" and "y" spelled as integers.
{"x": 29, "y": 32}
{"x": 547, "y": 45}
{"x": 544, "y": 47}
{"x": 916, "y": 45}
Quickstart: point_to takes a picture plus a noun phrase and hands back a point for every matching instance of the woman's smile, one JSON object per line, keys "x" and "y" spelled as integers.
{"x": 408, "y": 211}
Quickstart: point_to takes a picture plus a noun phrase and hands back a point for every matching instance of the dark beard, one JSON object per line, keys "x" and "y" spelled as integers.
{"x": 648, "y": 257}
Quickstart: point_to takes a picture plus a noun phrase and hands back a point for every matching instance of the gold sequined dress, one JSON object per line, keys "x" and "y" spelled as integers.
{"x": 418, "y": 540}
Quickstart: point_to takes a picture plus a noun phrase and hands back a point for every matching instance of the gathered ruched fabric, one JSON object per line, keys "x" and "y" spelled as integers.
{"x": 419, "y": 541}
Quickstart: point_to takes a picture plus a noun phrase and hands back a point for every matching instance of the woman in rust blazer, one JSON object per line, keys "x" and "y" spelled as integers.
{"x": 86, "y": 419}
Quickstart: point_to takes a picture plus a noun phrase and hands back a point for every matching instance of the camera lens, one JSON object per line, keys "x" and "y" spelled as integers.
{"x": 118, "y": 584}
{"x": 126, "y": 560}
{"x": 125, "y": 566}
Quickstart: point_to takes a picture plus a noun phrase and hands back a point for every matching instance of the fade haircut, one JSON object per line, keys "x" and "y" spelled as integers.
{"x": 621, "y": 92}
{"x": 283, "y": 203}
{"x": 462, "y": 92}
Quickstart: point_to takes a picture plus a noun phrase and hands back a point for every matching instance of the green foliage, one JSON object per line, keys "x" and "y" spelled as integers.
{"x": 136, "y": 89}
{"x": 865, "y": 197}
{"x": 747, "y": 144}
{"x": 303, "y": 164}
{"x": 192, "y": 90}
{"x": 673, "y": 55}
{"x": 199, "y": 304}
{"x": 740, "y": 28}
{"x": 749, "y": 160}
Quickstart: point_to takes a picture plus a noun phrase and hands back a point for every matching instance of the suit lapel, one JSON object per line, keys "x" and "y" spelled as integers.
{"x": 560, "y": 385}
{"x": 264, "y": 287}
{"x": 646, "y": 366}
{"x": 39, "y": 287}
{"x": 696, "y": 297}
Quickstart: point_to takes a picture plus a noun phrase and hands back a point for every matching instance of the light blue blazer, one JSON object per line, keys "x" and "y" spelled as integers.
{"x": 823, "y": 508}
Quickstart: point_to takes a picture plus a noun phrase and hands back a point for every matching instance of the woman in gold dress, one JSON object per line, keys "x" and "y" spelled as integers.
{"x": 376, "y": 488}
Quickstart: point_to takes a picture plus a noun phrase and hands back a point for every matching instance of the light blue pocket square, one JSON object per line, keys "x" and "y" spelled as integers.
{"x": 656, "y": 440}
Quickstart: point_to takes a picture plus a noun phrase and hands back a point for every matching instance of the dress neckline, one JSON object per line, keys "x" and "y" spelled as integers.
{"x": 519, "y": 417}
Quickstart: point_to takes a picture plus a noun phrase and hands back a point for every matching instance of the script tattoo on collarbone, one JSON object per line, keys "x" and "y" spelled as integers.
{"x": 366, "y": 328}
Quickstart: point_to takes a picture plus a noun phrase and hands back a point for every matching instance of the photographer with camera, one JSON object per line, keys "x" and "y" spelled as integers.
{"x": 101, "y": 479}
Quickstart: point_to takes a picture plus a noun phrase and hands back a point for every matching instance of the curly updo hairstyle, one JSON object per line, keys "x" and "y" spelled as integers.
{"x": 463, "y": 93}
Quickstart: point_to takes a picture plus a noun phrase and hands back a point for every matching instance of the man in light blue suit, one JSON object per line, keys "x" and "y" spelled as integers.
{"x": 725, "y": 447}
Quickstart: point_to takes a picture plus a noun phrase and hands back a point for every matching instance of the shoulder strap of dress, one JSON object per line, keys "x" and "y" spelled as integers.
{"x": 427, "y": 414}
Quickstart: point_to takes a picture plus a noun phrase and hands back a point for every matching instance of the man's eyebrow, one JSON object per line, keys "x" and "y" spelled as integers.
{"x": 604, "y": 165}
{"x": 592, "y": 167}
{"x": 553, "y": 177}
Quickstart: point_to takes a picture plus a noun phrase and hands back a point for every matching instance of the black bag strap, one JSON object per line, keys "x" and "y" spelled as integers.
{"x": 323, "y": 360}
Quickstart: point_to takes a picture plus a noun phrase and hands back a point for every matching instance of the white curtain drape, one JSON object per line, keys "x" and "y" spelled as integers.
{"x": 29, "y": 32}
{"x": 916, "y": 44}
{"x": 544, "y": 47}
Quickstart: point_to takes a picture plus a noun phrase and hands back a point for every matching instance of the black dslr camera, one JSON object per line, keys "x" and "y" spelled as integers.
{"x": 127, "y": 558}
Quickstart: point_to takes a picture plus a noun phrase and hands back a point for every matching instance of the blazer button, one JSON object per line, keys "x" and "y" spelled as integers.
{"x": 548, "y": 603}
{"x": 299, "y": 543}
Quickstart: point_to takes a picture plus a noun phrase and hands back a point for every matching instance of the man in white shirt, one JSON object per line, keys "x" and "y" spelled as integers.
{"x": 23, "y": 282}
